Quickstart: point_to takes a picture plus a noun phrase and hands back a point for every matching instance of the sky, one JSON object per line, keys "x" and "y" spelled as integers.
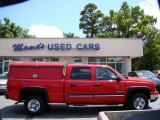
{"x": 50, "y": 18}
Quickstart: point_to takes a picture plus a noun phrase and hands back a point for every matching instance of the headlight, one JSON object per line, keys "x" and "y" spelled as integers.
{"x": 156, "y": 83}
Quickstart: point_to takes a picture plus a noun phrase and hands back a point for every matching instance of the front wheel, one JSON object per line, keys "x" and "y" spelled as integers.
{"x": 34, "y": 105}
{"x": 138, "y": 102}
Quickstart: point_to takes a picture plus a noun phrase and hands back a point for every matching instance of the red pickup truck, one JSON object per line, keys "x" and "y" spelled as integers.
{"x": 39, "y": 83}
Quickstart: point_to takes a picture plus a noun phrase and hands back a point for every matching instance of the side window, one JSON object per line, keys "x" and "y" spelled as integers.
{"x": 81, "y": 73}
{"x": 130, "y": 74}
{"x": 134, "y": 74}
{"x": 105, "y": 74}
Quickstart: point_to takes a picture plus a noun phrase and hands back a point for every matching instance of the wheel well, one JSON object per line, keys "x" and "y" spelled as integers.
{"x": 142, "y": 92}
{"x": 37, "y": 91}
{"x": 132, "y": 92}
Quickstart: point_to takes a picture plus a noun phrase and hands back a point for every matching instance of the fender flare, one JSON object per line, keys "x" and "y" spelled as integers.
{"x": 137, "y": 89}
{"x": 33, "y": 90}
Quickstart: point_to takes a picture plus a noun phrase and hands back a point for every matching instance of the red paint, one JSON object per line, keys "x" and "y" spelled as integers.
{"x": 66, "y": 90}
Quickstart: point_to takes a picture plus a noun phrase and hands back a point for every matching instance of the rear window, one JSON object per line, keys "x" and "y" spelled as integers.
{"x": 36, "y": 72}
{"x": 81, "y": 73}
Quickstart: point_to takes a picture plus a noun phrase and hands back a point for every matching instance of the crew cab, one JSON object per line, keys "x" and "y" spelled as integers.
{"x": 39, "y": 83}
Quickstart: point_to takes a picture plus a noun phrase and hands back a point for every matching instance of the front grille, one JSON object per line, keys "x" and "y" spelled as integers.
{"x": 2, "y": 85}
{"x": 158, "y": 87}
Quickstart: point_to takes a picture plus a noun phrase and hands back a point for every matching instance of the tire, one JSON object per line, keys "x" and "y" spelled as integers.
{"x": 138, "y": 102}
{"x": 34, "y": 105}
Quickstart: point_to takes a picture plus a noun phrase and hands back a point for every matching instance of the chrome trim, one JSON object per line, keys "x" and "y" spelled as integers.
{"x": 108, "y": 95}
{"x": 98, "y": 95}
{"x": 76, "y": 95}
{"x": 154, "y": 97}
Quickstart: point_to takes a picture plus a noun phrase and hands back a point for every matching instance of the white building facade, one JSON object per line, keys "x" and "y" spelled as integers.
{"x": 113, "y": 52}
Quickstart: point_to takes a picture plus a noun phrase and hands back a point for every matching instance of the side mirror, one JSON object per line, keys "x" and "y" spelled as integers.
{"x": 118, "y": 79}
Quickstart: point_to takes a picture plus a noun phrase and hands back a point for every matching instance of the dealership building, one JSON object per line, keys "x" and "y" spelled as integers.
{"x": 116, "y": 52}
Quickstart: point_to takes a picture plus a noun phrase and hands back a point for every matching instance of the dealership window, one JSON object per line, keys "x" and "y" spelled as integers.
{"x": 4, "y": 63}
{"x": 115, "y": 62}
{"x": 37, "y": 59}
{"x": 97, "y": 60}
{"x": 77, "y": 60}
{"x": 12, "y": 59}
{"x": 52, "y": 59}
{"x": 1, "y": 67}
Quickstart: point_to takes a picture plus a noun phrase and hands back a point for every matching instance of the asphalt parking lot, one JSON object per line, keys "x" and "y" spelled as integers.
{"x": 10, "y": 111}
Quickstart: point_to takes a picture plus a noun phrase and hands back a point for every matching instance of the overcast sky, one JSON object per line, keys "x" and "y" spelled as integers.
{"x": 50, "y": 18}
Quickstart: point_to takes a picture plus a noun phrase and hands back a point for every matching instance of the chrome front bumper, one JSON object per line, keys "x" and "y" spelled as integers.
{"x": 154, "y": 97}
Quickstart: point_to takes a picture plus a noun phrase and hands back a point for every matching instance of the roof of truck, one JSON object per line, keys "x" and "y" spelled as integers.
{"x": 36, "y": 64}
{"x": 51, "y": 64}
{"x": 87, "y": 65}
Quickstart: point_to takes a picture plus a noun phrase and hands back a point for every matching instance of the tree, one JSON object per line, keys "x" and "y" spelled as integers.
{"x": 127, "y": 22}
{"x": 11, "y": 30}
{"x": 90, "y": 21}
{"x": 151, "y": 59}
{"x": 69, "y": 35}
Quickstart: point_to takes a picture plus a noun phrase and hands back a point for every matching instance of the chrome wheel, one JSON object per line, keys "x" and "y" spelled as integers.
{"x": 33, "y": 105}
{"x": 139, "y": 103}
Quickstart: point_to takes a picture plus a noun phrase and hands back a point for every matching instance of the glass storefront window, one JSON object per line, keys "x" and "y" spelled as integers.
{"x": 54, "y": 59}
{"x": 118, "y": 59}
{"x": 111, "y": 59}
{"x": 46, "y": 59}
{"x": 12, "y": 59}
{"x": 37, "y": 59}
{"x": 120, "y": 67}
{"x": 97, "y": 60}
{"x": 1, "y": 67}
{"x": 102, "y": 59}
{"x": 77, "y": 60}
{"x": 112, "y": 65}
{"x": 115, "y": 62}
{"x": 92, "y": 60}
{"x": 16, "y": 59}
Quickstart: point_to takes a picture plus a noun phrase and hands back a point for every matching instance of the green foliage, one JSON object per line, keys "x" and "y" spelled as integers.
{"x": 126, "y": 23}
{"x": 151, "y": 59}
{"x": 91, "y": 20}
{"x": 68, "y": 35}
{"x": 11, "y": 30}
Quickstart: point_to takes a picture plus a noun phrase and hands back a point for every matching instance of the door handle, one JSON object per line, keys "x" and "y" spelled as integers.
{"x": 97, "y": 85}
{"x": 73, "y": 85}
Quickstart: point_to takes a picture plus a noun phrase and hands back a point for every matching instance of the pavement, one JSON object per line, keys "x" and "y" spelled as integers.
{"x": 10, "y": 111}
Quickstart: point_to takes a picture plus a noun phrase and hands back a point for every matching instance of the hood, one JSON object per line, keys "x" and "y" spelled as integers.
{"x": 156, "y": 80}
{"x": 3, "y": 81}
{"x": 138, "y": 79}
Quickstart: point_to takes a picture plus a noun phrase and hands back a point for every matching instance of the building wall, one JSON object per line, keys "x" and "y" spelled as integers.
{"x": 108, "y": 48}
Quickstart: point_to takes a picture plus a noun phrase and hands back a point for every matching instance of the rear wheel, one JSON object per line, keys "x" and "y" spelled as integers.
{"x": 34, "y": 105}
{"x": 138, "y": 102}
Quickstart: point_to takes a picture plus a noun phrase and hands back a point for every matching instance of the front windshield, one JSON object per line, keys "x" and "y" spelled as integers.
{"x": 145, "y": 74}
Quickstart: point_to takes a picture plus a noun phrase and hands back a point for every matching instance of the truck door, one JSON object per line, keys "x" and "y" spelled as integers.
{"x": 79, "y": 86}
{"x": 107, "y": 89}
